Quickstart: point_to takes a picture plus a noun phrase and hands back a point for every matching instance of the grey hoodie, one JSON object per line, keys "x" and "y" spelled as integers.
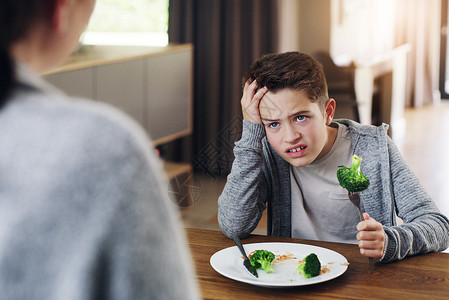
{"x": 260, "y": 180}
{"x": 84, "y": 212}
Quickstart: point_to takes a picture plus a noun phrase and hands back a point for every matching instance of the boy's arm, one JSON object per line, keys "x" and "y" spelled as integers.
{"x": 242, "y": 202}
{"x": 425, "y": 229}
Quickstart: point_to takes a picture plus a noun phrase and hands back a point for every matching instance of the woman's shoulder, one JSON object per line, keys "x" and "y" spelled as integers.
{"x": 101, "y": 117}
{"x": 75, "y": 122}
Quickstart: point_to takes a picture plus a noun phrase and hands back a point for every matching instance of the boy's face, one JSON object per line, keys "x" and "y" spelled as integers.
{"x": 295, "y": 127}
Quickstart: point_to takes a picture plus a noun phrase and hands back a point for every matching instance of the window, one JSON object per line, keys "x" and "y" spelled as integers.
{"x": 128, "y": 22}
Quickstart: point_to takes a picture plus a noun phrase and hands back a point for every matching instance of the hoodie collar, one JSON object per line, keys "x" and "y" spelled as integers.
{"x": 28, "y": 78}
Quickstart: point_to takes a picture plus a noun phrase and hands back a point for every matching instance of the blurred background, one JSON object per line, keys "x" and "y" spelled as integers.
{"x": 385, "y": 60}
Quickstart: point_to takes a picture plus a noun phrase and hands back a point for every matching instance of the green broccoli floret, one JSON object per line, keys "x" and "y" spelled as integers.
{"x": 352, "y": 178}
{"x": 261, "y": 259}
{"x": 310, "y": 266}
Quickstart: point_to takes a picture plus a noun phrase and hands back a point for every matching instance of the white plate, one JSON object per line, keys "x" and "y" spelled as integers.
{"x": 229, "y": 263}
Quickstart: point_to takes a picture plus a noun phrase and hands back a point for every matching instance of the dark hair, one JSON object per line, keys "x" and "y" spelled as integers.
{"x": 16, "y": 18}
{"x": 290, "y": 70}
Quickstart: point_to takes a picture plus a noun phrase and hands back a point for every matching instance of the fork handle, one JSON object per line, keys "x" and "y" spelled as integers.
{"x": 240, "y": 246}
{"x": 360, "y": 214}
{"x": 371, "y": 260}
{"x": 371, "y": 264}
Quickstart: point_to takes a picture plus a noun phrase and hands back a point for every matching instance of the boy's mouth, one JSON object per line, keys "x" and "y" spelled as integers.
{"x": 296, "y": 149}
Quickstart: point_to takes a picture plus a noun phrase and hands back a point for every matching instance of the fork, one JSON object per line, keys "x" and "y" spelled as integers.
{"x": 355, "y": 199}
{"x": 246, "y": 261}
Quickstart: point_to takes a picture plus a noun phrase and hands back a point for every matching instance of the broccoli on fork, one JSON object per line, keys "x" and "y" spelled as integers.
{"x": 310, "y": 266}
{"x": 352, "y": 178}
{"x": 261, "y": 259}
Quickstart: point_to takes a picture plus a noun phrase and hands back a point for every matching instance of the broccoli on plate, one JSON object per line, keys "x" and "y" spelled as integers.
{"x": 352, "y": 178}
{"x": 261, "y": 259}
{"x": 310, "y": 266}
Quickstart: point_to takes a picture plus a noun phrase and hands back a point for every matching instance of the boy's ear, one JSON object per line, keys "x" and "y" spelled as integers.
{"x": 60, "y": 15}
{"x": 329, "y": 110}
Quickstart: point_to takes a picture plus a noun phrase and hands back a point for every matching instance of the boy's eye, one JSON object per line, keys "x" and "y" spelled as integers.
{"x": 300, "y": 118}
{"x": 273, "y": 125}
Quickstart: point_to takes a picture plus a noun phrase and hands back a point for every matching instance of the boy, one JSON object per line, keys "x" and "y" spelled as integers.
{"x": 287, "y": 160}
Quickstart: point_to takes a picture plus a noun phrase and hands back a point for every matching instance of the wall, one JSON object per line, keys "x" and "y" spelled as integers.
{"x": 315, "y": 25}
{"x": 289, "y": 25}
{"x": 361, "y": 29}
{"x": 305, "y": 25}
{"x": 347, "y": 29}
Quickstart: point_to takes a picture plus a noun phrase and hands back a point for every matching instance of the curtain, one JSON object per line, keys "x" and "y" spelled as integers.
{"x": 227, "y": 35}
{"x": 418, "y": 23}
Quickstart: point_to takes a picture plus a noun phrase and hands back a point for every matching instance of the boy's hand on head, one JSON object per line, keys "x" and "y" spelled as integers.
{"x": 251, "y": 100}
{"x": 371, "y": 237}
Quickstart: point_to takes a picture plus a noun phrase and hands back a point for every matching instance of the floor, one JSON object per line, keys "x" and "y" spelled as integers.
{"x": 425, "y": 147}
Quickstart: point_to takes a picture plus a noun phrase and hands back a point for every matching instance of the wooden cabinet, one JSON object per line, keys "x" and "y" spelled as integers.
{"x": 78, "y": 83}
{"x": 168, "y": 113}
{"x": 152, "y": 85}
{"x": 122, "y": 85}
{"x": 181, "y": 189}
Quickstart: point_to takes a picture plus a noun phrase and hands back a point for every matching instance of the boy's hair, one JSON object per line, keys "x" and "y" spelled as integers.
{"x": 290, "y": 70}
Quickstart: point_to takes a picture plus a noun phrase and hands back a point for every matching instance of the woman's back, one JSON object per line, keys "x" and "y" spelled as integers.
{"x": 82, "y": 213}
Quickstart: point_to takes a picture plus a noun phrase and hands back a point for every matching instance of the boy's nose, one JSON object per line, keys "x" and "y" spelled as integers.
{"x": 291, "y": 134}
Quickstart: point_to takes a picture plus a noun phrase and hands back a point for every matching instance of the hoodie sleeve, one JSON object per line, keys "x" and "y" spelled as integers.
{"x": 243, "y": 200}
{"x": 425, "y": 229}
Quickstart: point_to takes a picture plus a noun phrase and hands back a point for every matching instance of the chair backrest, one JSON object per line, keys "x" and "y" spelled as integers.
{"x": 340, "y": 84}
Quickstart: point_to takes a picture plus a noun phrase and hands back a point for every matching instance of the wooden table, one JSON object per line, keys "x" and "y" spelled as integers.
{"x": 424, "y": 276}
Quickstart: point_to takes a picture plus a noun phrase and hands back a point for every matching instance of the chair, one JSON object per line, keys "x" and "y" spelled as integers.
{"x": 340, "y": 83}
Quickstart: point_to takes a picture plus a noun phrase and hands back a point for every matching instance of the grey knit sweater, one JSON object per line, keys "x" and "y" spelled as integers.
{"x": 84, "y": 211}
{"x": 260, "y": 180}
